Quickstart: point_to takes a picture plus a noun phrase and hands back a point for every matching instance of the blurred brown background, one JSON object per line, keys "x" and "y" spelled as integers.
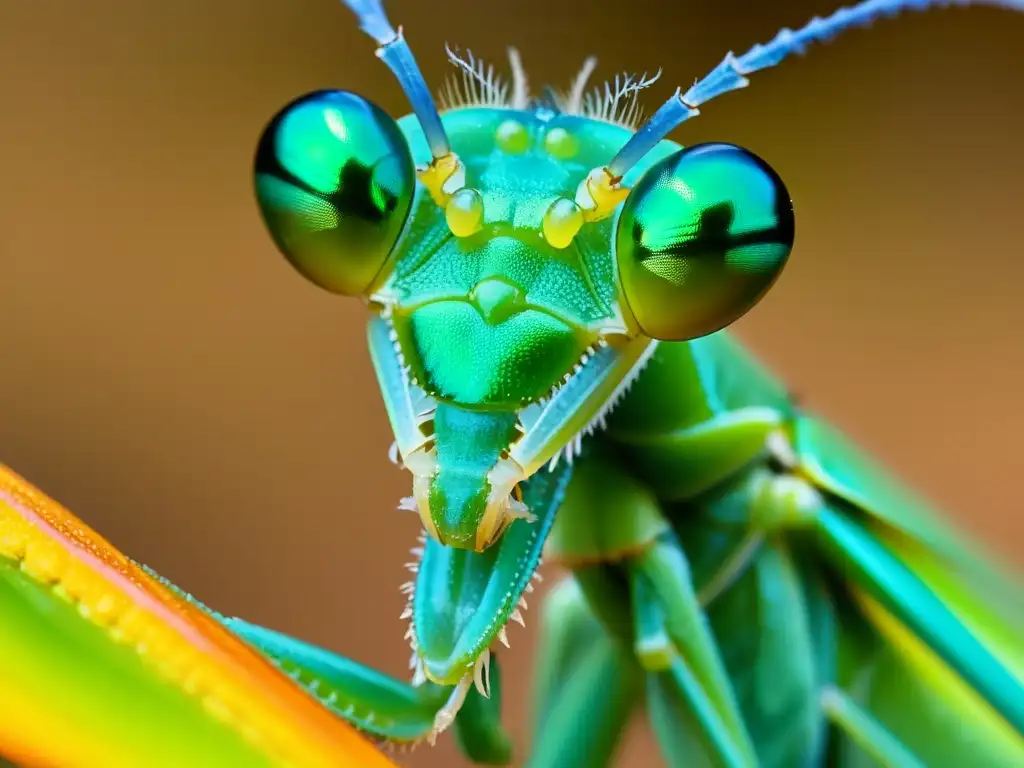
{"x": 167, "y": 376}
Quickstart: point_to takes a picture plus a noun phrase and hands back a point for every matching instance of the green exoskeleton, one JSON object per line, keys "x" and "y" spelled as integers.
{"x": 549, "y": 285}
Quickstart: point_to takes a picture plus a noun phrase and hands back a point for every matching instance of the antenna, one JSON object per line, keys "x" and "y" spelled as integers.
{"x": 730, "y": 75}
{"x": 395, "y": 52}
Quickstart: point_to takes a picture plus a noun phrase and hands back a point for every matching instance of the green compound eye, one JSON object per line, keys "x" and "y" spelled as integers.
{"x": 700, "y": 239}
{"x": 335, "y": 182}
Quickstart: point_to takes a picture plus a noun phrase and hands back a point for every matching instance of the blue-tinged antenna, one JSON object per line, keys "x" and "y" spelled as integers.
{"x": 730, "y": 74}
{"x": 395, "y": 52}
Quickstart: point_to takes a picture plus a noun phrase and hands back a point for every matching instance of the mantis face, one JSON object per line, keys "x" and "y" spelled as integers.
{"x": 516, "y": 291}
{"x": 516, "y": 287}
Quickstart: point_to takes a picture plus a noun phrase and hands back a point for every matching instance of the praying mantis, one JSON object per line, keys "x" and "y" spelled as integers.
{"x": 549, "y": 287}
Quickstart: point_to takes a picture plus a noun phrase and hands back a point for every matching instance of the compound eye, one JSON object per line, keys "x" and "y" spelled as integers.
{"x": 335, "y": 182}
{"x": 700, "y": 239}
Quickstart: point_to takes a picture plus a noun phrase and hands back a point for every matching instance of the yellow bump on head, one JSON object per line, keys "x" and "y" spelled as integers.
{"x": 465, "y": 212}
{"x": 443, "y": 177}
{"x": 512, "y": 137}
{"x": 561, "y": 222}
{"x": 600, "y": 194}
{"x": 561, "y": 144}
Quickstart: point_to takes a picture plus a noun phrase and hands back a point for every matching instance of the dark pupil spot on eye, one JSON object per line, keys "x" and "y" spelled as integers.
{"x": 357, "y": 195}
{"x": 711, "y": 238}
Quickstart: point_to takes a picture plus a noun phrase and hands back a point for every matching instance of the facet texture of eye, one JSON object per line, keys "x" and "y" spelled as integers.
{"x": 335, "y": 182}
{"x": 700, "y": 239}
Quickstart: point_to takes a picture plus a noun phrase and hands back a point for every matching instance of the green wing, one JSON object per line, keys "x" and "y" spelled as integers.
{"x": 931, "y": 642}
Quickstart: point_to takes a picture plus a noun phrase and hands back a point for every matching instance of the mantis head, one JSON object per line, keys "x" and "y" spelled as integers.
{"x": 516, "y": 282}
